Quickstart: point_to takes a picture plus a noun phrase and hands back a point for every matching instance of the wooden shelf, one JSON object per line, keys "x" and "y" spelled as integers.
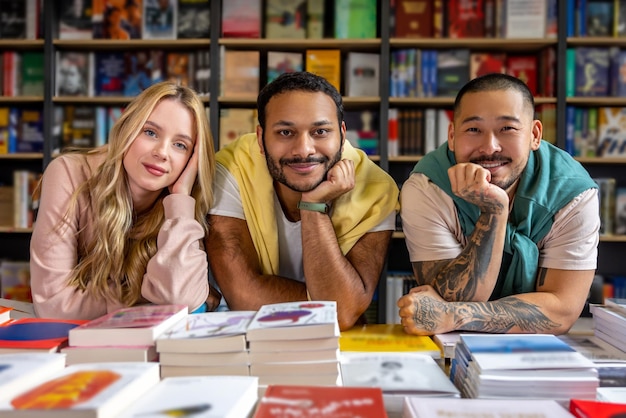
{"x": 21, "y": 44}
{"x": 596, "y": 101}
{"x": 11, "y": 230}
{"x": 595, "y": 41}
{"x": 475, "y": 43}
{"x": 108, "y": 44}
{"x": 449, "y": 101}
{"x": 10, "y": 100}
{"x": 22, "y": 156}
{"x": 601, "y": 160}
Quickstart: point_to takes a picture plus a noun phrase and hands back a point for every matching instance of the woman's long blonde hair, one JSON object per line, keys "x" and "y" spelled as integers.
{"x": 113, "y": 263}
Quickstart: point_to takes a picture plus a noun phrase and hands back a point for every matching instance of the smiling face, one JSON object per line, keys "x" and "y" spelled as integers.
{"x": 302, "y": 139}
{"x": 496, "y": 130}
{"x": 159, "y": 154}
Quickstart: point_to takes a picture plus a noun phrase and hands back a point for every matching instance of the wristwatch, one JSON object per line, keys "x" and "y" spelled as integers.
{"x": 315, "y": 207}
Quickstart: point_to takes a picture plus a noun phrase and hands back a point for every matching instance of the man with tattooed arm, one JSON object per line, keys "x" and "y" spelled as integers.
{"x": 501, "y": 226}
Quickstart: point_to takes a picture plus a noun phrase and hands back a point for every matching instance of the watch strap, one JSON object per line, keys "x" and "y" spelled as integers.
{"x": 315, "y": 207}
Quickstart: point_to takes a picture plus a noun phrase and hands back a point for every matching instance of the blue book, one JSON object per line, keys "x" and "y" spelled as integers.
{"x": 513, "y": 343}
{"x": 592, "y": 71}
{"x": 110, "y": 70}
{"x": 599, "y": 18}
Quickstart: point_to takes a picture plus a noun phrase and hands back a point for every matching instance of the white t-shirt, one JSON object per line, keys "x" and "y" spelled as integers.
{"x": 227, "y": 202}
{"x": 433, "y": 232}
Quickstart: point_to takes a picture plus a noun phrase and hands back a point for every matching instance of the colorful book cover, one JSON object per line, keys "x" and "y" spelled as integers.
{"x": 386, "y": 338}
{"x": 241, "y": 19}
{"x": 194, "y": 19}
{"x": 160, "y": 19}
{"x": 32, "y": 74}
{"x": 482, "y": 63}
{"x": 75, "y": 19}
{"x": 235, "y": 122}
{"x": 294, "y": 320}
{"x": 414, "y": 19}
{"x": 525, "y": 68}
{"x": 139, "y": 65}
{"x": 355, "y": 19}
{"x": 325, "y": 63}
{"x": 465, "y": 19}
{"x": 73, "y": 73}
{"x": 95, "y": 389}
{"x": 36, "y": 334}
{"x": 362, "y": 130}
{"x": 110, "y": 71}
{"x": 599, "y": 17}
{"x": 283, "y": 62}
{"x": 592, "y": 71}
{"x": 117, "y": 19}
{"x": 240, "y": 76}
{"x": 611, "y": 131}
{"x": 452, "y": 71}
{"x": 285, "y": 19}
{"x": 178, "y": 68}
{"x": 5, "y": 314}
{"x": 201, "y": 396}
{"x": 315, "y": 19}
{"x": 31, "y": 128}
{"x": 313, "y": 401}
{"x": 21, "y": 371}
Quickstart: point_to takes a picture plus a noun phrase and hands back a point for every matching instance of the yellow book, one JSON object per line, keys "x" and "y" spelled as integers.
{"x": 4, "y": 130}
{"x": 386, "y": 338}
{"x": 325, "y": 63}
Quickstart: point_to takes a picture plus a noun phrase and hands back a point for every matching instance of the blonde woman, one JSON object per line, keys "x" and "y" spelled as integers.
{"x": 123, "y": 224}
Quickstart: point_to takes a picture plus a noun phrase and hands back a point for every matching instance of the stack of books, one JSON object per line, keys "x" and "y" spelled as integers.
{"x": 20, "y": 371}
{"x": 609, "y": 322}
{"x": 295, "y": 343}
{"x": 522, "y": 366}
{"x": 35, "y": 334}
{"x": 206, "y": 344}
{"x": 128, "y": 334}
{"x": 438, "y": 408}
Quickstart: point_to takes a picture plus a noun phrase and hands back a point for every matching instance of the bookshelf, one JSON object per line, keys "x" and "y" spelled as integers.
{"x": 14, "y": 243}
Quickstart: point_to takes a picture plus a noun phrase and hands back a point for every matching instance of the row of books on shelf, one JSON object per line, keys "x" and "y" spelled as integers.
{"x": 18, "y": 202}
{"x": 21, "y": 130}
{"x": 596, "y": 18}
{"x": 430, "y": 73}
{"x": 595, "y": 71}
{"x": 134, "y": 19}
{"x": 614, "y": 287}
{"x": 612, "y": 206}
{"x": 595, "y": 131}
{"x": 21, "y": 73}
{"x": 475, "y": 19}
{"x": 127, "y": 73}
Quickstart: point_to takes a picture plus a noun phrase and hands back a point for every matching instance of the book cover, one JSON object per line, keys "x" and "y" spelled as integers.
{"x": 619, "y": 18}
{"x": 20, "y": 371}
{"x": 117, "y": 19}
{"x": 325, "y": 63}
{"x": 599, "y": 17}
{"x": 611, "y": 131}
{"x": 240, "y": 75}
{"x": 42, "y": 334}
{"x": 235, "y": 122}
{"x": 404, "y": 373}
{"x": 434, "y": 408}
{"x": 32, "y": 74}
{"x": 362, "y": 130}
{"x": 315, "y": 401}
{"x": 241, "y": 19}
{"x": 316, "y": 10}
{"x": 210, "y": 332}
{"x": 75, "y": 19}
{"x": 179, "y": 68}
{"x": 110, "y": 71}
{"x": 31, "y": 129}
{"x": 136, "y": 325}
{"x": 591, "y": 408}
{"x": 79, "y": 126}
{"x": 620, "y": 211}
{"x": 279, "y": 62}
{"x": 482, "y": 63}
{"x": 139, "y": 71}
{"x": 194, "y": 19}
{"x": 592, "y": 347}
{"x": 465, "y": 19}
{"x": 414, "y": 19}
{"x": 285, "y": 19}
{"x": 294, "y": 320}
{"x": 73, "y": 73}
{"x": 101, "y": 390}
{"x": 362, "y": 74}
{"x": 452, "y": 71}
{"x": 12, "y": 19}
{"x": 201, "y": 396}
{"x": 355, "y": 19}
{"x": 386, "y": 338}
{"x": 160, "y": 19}
{"x": 525, "y": 68}
{"x": 525, "y": 19}
{"x": 592, "y": 71}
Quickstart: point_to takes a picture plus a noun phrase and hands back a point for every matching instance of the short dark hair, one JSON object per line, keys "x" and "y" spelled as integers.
{"x": 297, "y": 81}
{"x": 495, "y": 81}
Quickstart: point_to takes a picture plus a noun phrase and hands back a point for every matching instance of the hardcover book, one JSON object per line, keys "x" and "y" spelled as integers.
{"x": 235, "y": 122}
{"x": 592, "y": 71}
{"x": 36, "y": 334}
{"x": 210, "y": 332}
{"x": 315, "y": 401}
{"x": 294, "y": 320}
{"x": 482, "y": 63}
{"x": 110, "y": 71}
{"x": 137, "y": 325}
{"x": 13, "y": 19}
{"x": 160, "y": 19}
{"x": 620, "y": 211}
{"x": 465, "y": 19}
{"x": 73, "y": 73}
{"x": 20, "y": 371}
{"x": 241, "y": 19}
{"x": 525, "y": 19}
{"x": 414, "y": 19}
{"x": 194, "y": 19}
{"x": 285, "y": 19}
{"x": 386, "y": 338}
{"x": 201, "y": 396}
{"x": 355, "y": 19}
{"x": 525, "y": 68}
{"x": 452, "y": 71}
{"x": 325, "y": 63}
{"x": 75, "y": 19}
{"x": 100, "y": 390}
{"x": 240, "y": 75}
{"x": 362, "y": 74}
{"x": 283, "y": 62}
{"x": 599, "y": 15}
{"x": 32, "y": 74}
{"x": 117, "y": 19}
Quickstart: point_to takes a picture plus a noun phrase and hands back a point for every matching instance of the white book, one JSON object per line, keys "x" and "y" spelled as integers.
{"x": 415, "y": 407}
{"x": 209, "y": 332}
{"x": 227, "y": 369}
{"x": 198, "y": 396}
{"x": 21, "y": 371}
{"x": 526, "y": 18}
{"x": 329, "y": 343}
{"x": 611, "y": 394}
{"x": 321, "y": 379}
{"x": 362, "y": 74}
{"x": 447, "y": 342}
{"x": 400, "y": 372}
{"x": 294, "y": 320}
{"x": 294, "y": 356}
{"x": 136, "y": 325}
{"x": 592, "y": 347}
{"x": 203, "y": 359}
{"x": 295, "y": 368}
{"x": 98, "y": 390}
{"x": 77, "y": 355}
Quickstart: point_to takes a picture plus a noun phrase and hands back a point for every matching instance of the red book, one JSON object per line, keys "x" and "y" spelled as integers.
{"x": 524, "y": 67}
{"x": 41, "y": 334}
{"x": 584, "y": 408}
{"x": 414, "y": 19}
{"x": 466, "y": 19}
{"x": 482, "y": 63}
{"x": 316, "y": 401}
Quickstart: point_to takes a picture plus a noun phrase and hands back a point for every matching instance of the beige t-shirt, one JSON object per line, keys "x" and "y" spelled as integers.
{"x": 433, "y": 232}
{"x": 177, "y": 273}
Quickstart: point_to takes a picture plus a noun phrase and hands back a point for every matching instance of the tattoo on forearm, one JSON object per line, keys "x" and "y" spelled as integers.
{"x": 495, "y": 317}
